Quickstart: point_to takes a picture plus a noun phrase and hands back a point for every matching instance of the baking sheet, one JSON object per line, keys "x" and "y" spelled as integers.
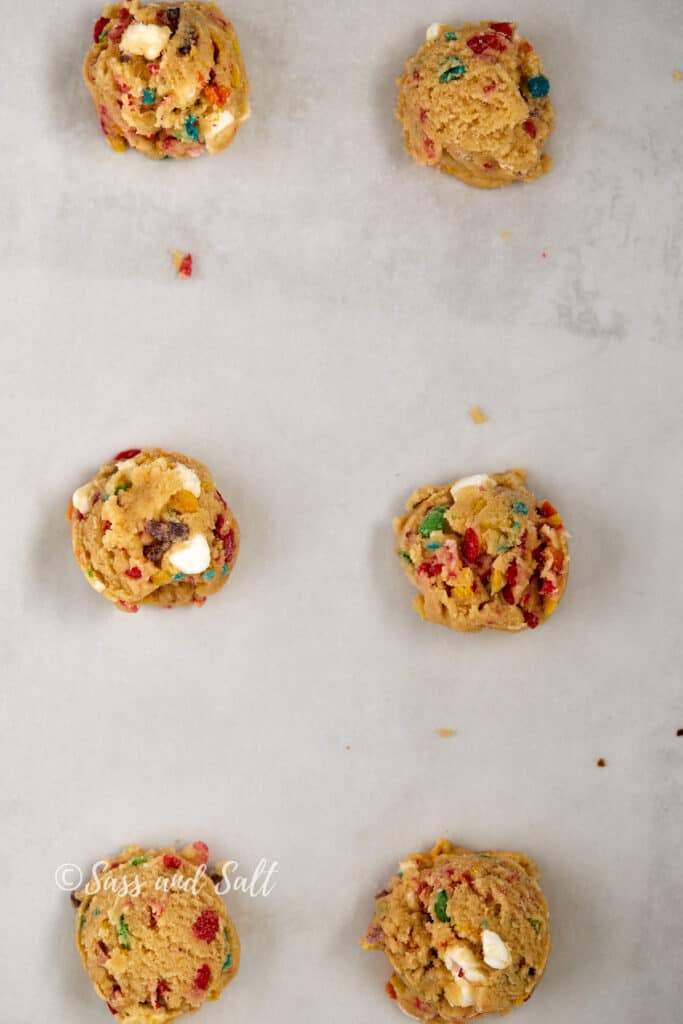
{"x": 347, "y": 309}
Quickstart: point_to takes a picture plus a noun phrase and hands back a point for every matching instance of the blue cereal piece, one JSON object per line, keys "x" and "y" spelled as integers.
{"x": 192, "y": 128}
{"x": 148, "y": 97}
{"x": 539, "y": 86}
{"x": 452, "y": 72}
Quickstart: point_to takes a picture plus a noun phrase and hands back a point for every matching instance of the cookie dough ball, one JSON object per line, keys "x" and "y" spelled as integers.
{"x": 466, "y": 933}
{"x": 151, "y": 528}
{"x": 474, "y": 103}
{"x": 167, "y": 79}
{"x": 484, "y": 553}
{"x": 154, "y": 935}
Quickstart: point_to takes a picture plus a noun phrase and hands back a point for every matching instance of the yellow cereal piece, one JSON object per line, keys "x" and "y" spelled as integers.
{"x": 555, "y": 520}
{"x": 118, "y": 144}
{"x": 161, "y": 577}
{"x": 476, "y": 415}
{"x": 549, "y": 606}
{"x": 463, "y": 588}
{"x": 235, "y": 76}
{"x": 505, "y": 235}
{"x": 184, "y": 501}
{"x": 497, "y": 581}
{"x": 445, "y": 734}
{"x": 677, "y": 76}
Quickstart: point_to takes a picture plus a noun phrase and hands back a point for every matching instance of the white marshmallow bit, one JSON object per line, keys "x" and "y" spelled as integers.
{"x": 191, "y": 481}
{"x": 478, "y": 480}
{"x": 192, "y": 557}
{"x": 459, "y": 993}
{"x": 145, "y": 40}
{"x": 81, "y": 499}
{"x": 96, "y": 583}
{"x": 433, "y": 32}
{"x": 459, "y": 957}
{"x": 496, "y": 953}
{"x": 126, "y": 465}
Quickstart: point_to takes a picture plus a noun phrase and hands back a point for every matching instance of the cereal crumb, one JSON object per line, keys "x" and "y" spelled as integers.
{"x": 601, "y": 763}
{"x": 182, "y": 261}
{"x": 505, "y": 235}
{"x": 445, "y": 734}
{"x": 477, "y": 415}
{"x": 677, "y": 75}
{"x": 544, "y": 254}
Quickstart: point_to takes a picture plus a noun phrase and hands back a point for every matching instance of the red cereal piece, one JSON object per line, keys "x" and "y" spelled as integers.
{"x": 505, "y": 27}
{"x": 470, "y": 545}
{"x": 106, "y": 526}
{"x": 531, "y": 619}
{"x": 116, "y": 33}
{"x": 511, "y": 575}
{"x": 203, "y": 851}
{"x": 112, "y": 1010}
{"x": 416, "y": 75}
{"x": 429, "y": 569}
{"x": 547, "y": 510}
{"x": 508, "y": 595}
{"x": 185, "y": 266}
{"x": 207, "y": 926}
{"x": 558, "y": 560}
{"x": 100, "y": 25}
{"x": 126, "y": 606}
{"x": 172, "y": 862}
{"x": 202, "y": 978}
{"x": 222, "y": 500}
{"x": 162, "y": 988}
{"x": 430, "y": 148}
{"x": 526, "y": 46}
{"x": 530, "y": 128}
{"x": 390, "y": 990}
{"x": 488, "y": 167}
{"x": 548, "y": 588}
{"x": 423, "y": 116}
{"x": 134, "y": 573}
{"x": 229, "y": 545}
{"x": 490, "y": 87}
{"x": 129, "y": 453}
{"x": 486, "y": 41}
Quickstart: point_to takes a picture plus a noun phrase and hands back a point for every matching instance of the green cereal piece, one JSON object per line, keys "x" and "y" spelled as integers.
{"x": 122, "y": 487}
{"x": 124, "y": 934}
{"x": 433, "y": 521}
{"x": 440, "y": 907}
{"x": 535, "y": 924}
{"x": 450, "y": 36}
{"x": 484, "y": 924}
{"x": 136, "y": 861}
{"x": 96, "y": 913}
{"x": 451, "y": 73}
{"x": 228, "y": 959}
{"x": 405, "y": 556}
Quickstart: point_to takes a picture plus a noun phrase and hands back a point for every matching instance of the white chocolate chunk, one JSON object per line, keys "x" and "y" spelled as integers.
{"x": 460, "y": 957}
{"x": 145, "y": 40}
{"x": 191, "y": 557}
{"x": 496, "y": 953}
{"x": 81, "y": 499}
{"x": 126, "y": 465}
{"x": 215, "y": 126}
{"x": 96, "y": 583}
{"x": 407, "y": 865}
{"x": 191, "y": 481}
{"x": 459, "y": 993}
{"x": 433, "y": 32}
{"x": 478, "y": 480}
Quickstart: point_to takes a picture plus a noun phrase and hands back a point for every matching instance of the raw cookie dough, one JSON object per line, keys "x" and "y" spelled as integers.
{"x": 151, "y": 528}
{"x": 484, "y": 553}
{"x": 167, "y": 79}
{"x": 154, "y": 935}
{"x": 474, "y": 103}
{"x": 466, "y": 933}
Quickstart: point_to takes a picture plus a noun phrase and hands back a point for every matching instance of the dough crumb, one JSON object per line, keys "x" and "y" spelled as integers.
{"x": 601, "y": 763}
{"x": 505, "y": 235}
{"x": 183, "y": 263}
{"x": 477, "y": 415}
{"x": 677, "y": 75}
{"x": 445, "y": 734}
